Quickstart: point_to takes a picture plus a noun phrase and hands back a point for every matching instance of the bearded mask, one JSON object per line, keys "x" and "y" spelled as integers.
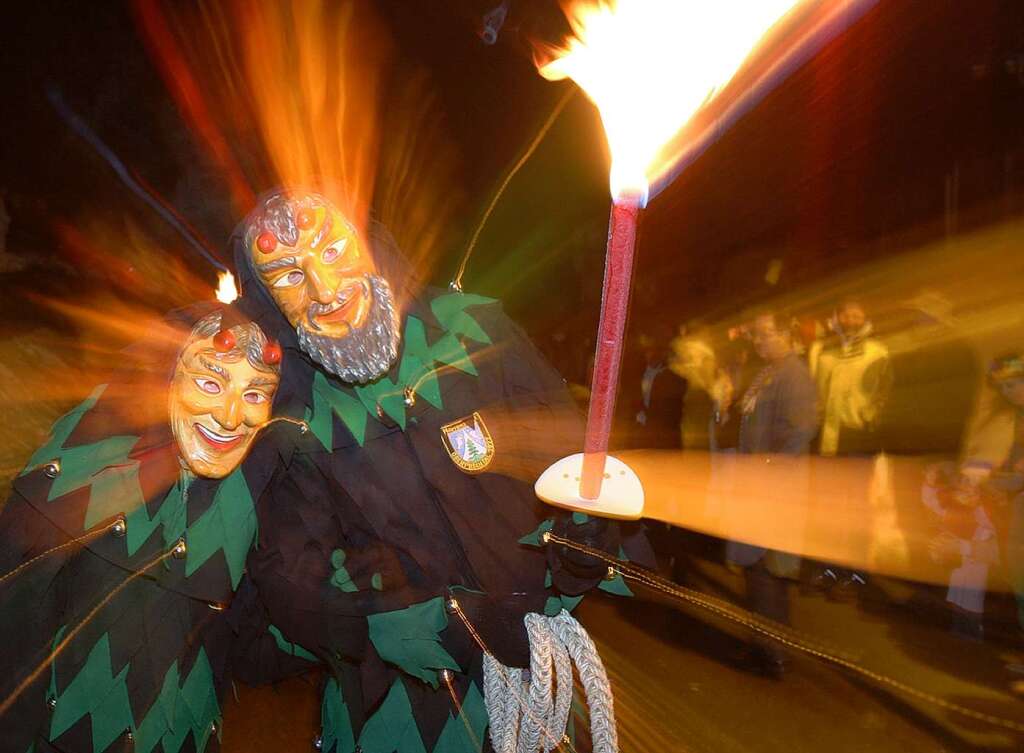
{"x": 322, "y": 277}
{"x": 224, "y": 384}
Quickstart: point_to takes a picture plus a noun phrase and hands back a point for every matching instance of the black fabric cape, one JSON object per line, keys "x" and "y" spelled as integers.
{"x": 148, "y": 645}
{"x": 409, "y": 523}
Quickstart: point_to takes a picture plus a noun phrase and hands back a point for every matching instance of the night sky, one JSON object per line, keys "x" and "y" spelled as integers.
{"x": 847, "y": 158}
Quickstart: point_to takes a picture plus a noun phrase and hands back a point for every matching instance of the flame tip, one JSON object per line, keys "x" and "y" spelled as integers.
{"x": 227, "y": 291}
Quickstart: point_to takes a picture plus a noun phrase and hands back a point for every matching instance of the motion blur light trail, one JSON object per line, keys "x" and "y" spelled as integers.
{"x": 301, "y": 93}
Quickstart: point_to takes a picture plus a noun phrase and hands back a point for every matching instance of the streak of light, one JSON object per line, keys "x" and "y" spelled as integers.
{"x": 559, "y": 106}
{"x": 59, "y": 648}
{"x": 134, "y": 183}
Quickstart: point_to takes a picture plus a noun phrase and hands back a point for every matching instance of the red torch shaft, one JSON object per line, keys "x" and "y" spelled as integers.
{"x": 618, "y": 269}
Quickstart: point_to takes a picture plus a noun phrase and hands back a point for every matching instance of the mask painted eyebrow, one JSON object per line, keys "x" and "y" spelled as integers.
{"x": 325, "y": 228}
{"x": 273, "y": 266}
{"x": 262, "y": 382}
{"x": 219, "y": 370}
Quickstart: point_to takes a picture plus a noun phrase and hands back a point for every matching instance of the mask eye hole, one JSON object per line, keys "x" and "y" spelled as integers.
{"x": 254, "y": 397}
{"x": 208, "y": 386}
{"x": 333, "y": 252}
{"x": 289, "y": 280}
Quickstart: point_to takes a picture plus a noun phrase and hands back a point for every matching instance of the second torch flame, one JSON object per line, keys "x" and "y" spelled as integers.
{"x": 227, "y": 291}
{"x": 648, "y": 66}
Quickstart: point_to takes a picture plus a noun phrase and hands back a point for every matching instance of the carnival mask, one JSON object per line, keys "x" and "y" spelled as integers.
{"x": 221, "y": 394}
{"x": 323, "y": 279}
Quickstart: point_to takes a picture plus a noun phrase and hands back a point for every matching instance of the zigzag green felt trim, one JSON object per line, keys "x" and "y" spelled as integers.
{"x": 336, "y": 725}
{"x": 179, "y": 709}
{"x": 417, "y": 372}
{"x": 228, "y": 525}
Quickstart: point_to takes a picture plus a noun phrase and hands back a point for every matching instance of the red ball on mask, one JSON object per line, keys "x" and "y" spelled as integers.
{"x": 266, "y": 242}
{"x": 305, "y": 219}
{"x": 271, "y": 353}
{"x": 224, "y": 341}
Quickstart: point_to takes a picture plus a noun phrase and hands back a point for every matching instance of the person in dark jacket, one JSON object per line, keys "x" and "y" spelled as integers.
{"x": 123, "y": 539}
{"x": 401, "y": 532}
{"x": 779, "y": 418}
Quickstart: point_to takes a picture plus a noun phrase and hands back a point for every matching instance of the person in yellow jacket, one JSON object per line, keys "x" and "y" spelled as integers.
{"x": 854, "y": 376}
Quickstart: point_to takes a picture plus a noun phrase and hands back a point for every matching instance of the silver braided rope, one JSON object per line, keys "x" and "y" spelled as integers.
{"x": 563, "y": 689}
{"x": 538, "y": 698}
{"x": 603, "y": 733}
{"x": 524, "y": 718}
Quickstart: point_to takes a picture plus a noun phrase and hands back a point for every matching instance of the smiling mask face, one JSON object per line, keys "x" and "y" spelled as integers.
{"x": 221, "y": 395}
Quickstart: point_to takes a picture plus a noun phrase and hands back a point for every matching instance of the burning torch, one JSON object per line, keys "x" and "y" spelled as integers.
{"x": 648, "y": 66}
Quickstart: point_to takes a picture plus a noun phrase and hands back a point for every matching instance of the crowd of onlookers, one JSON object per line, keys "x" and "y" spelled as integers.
{"x": 838, "y": 386}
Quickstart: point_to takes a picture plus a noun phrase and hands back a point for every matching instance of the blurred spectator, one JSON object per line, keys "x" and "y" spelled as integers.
{"x": 692, "y": 359}
{"x": 853, "y": 376}
{"x": 652, "y": 394}
{"x": 994, "y": 455}
{"x": 966, "y": 540}
{"x": 778, "y": 412}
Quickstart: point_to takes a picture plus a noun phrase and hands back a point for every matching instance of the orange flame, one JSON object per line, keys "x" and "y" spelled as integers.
{"x": 227, "y": 291}
{"x": 649, "y": 65}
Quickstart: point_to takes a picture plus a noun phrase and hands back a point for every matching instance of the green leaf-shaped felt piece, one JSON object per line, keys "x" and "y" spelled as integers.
{"x": 392, "y": 728}
{"x": 347, "y": 407}
{"x": 447, "y": 308}
{"x": 342, "y": 580}
{"x": 174, "y": 739}
{"x": 160, "y": 716}
{"x": 392, "y": 403}
{"x": 449, "y": 350}
{"x": 616, "y": 586}
{"x": 556, "y": 604}
{"x": 140, "y": 526}
{"x": 112, "y": 716}
{"x": 89, "y": 691}
{"x": 337, "y": 731}
{"x": 62, "y": 429}
{"x": 533, "y": 539}
{"x": 464, "y": 731}
{"x": 320, "y": 420}
{"x": 292, "y": 649}
{"x": 115, "y": 491}
{"x": 426, "y": 384}
{"x": 79, "y": 465}
{"x": 579, "y": 518}
{"x": 200, "y": 698}
{"x": 229, "y": 524}
{"x": 57, "y": 638}
{"x": 417, "y": 367}
{"x": 409, "y": 638}
{"x": 465, "y": 325}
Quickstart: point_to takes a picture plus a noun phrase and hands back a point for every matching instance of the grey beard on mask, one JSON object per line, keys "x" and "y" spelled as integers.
{"x": 363, "y": 354}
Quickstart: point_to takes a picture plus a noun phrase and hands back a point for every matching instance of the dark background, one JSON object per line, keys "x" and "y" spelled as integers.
{"x": 906, "y": 128}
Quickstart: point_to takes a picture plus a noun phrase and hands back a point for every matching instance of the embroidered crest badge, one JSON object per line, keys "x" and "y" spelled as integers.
{"x": 469, "y": 444}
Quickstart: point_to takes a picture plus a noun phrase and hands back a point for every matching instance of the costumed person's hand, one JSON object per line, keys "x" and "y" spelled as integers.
{"x": 574, "y": 571}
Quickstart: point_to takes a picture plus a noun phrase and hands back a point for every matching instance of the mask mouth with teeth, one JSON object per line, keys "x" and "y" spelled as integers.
{"x": 365, "y": 353}
{"x": 221, "y": 394}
